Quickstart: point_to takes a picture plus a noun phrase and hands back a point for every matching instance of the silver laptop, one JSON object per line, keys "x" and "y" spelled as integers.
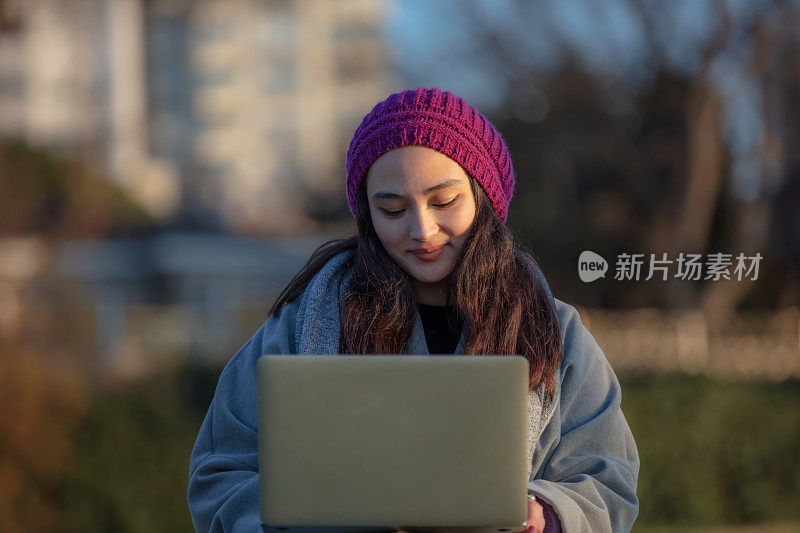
{"x": 393, "y": 442}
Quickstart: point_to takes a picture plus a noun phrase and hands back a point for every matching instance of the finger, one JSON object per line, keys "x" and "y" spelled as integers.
{"x": 535, "y": 521}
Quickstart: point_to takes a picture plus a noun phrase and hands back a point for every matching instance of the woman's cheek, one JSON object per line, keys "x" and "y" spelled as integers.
{"x": 383, "y": 232}
{"x": 392, "y": 240}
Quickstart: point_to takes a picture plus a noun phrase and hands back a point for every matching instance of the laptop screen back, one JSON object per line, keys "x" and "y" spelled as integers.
{"x": 393, "y": 440}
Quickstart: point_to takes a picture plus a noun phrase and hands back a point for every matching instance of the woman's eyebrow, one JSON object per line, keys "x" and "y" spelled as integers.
{"x": 391, "y": 195}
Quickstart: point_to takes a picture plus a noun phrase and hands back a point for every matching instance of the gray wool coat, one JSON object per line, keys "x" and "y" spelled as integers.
{"x": 582, "y": 455}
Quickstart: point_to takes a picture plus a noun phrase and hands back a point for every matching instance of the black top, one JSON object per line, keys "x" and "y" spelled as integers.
{"x": 442, "y": 327}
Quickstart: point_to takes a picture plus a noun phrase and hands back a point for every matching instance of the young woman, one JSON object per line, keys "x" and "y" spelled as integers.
{"x": 434, "y": 269}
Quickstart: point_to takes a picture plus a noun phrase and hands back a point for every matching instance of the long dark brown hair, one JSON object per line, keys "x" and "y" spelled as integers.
{"x": 493, "y": 287}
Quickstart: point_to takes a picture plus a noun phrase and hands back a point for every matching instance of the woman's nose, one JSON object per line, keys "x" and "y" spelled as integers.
{"x": 423, "y": 226}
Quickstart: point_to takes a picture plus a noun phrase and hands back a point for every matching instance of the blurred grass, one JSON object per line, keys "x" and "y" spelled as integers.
{"x": 712, "y": 453}
{"x": 133, "y": 465}
{"x": 715, "y": 452}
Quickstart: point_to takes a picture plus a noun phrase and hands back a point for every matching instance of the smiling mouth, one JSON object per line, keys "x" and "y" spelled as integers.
{"x": 426, "y": 250}
{"x": 427, "y": 254}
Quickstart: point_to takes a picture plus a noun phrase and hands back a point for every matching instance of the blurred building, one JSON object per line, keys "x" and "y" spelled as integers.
{"x": 238, "y": 110}
{"x": 72, "y": 77}
{"x": 126, "y": 305}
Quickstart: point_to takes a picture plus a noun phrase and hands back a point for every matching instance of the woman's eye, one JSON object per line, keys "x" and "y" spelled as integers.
{"x": 397, "y": 213}
{"x": 392, "y": 213}
{"x": 447, "y": 204}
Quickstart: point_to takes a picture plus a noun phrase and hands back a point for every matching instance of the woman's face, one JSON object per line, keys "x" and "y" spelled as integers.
{"x": 422, "y": 209}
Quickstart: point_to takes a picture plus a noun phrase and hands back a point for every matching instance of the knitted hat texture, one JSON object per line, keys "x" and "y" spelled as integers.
{"x": 441, "y": 121}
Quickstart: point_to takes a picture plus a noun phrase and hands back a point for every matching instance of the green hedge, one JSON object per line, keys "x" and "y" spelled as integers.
{"x": 712, "y": 452}
{"x": 133, "y": 463}
{"x": 715, "y": 452}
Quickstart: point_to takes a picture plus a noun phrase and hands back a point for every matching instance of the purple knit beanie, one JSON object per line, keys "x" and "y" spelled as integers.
{"x": 439, "y": 120}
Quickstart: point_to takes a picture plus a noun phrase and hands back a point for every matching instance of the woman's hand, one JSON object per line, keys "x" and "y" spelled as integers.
{"x": 535, "y": 520}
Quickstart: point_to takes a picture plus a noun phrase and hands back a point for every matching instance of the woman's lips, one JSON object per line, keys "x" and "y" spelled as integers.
{"x": 430, "y": 255}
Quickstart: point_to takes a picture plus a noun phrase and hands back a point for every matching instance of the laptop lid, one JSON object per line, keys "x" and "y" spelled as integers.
{"x": 395, "y": 441}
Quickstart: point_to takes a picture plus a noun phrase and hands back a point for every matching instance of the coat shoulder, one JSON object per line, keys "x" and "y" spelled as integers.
{"x": 581, "y": 350}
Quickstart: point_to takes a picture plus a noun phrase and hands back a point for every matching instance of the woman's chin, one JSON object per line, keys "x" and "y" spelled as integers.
{"x": 425, "y": 272}
{"x": 432, "y": 274}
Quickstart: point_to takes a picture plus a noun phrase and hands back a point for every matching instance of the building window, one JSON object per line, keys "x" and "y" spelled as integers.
{"x": 358, "y": 51}
{"x": 279, "y": 74}
{"x": 276, "y": 30}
